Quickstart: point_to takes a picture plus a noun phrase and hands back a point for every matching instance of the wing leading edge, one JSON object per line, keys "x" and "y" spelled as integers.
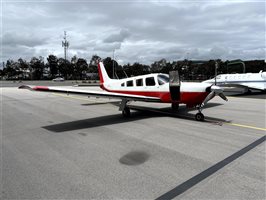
{"x": 103, "y": 94}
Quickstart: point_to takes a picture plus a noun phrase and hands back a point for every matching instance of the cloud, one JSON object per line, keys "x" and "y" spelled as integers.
{"x": 138, "y": 31}
{"x": 119, "y": 37}
{"x": 26, "y": 39}
{"x": 107, "y": 47}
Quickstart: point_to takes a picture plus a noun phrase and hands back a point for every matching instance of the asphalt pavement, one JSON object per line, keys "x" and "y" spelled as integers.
{"x": 56, "y": 146}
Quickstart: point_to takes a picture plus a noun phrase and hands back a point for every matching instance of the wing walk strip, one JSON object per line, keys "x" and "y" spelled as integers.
{"x": 208, "y": 172}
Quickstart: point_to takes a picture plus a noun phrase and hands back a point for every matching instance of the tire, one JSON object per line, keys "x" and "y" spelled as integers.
{"x": 199, "y": 117}
{"x": 175, "y": 106}
{"x": 126, "y": 112}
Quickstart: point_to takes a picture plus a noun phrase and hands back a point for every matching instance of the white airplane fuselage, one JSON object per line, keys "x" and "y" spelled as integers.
{"x": 246, "y": 80}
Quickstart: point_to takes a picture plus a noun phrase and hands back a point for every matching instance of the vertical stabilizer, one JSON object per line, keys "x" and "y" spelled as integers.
{"x": 103, "y": 74}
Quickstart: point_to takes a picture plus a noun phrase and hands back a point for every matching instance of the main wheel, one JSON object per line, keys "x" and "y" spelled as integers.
{"x": 175, "y": 106}
{"x": 126, "y": 112}
{"x": 199, "y": 117}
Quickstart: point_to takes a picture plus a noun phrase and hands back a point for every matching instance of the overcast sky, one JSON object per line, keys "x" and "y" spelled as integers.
{"x": 139, "y": 31}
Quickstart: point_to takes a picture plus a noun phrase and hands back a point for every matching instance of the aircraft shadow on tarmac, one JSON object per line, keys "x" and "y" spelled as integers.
{"x": 97, "y": 121}
{"x": 139, "y": 114}
{"x": 94, "y": 104}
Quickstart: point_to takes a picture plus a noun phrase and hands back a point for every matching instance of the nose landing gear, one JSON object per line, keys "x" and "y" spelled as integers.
{"x": 199, "y": 116}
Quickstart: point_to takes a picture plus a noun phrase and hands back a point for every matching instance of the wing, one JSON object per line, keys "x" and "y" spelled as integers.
{"x": 244, "y": 85}
{"x": 103, "y": 94}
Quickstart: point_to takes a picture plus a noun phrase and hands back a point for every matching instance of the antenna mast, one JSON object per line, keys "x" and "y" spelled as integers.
{"x": 65, "y": 44}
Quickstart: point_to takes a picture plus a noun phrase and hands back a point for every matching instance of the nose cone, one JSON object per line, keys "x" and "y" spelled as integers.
{"x": 216, "y": 89}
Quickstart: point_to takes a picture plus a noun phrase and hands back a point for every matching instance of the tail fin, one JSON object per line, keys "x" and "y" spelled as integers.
{"x": 102, "y": 74}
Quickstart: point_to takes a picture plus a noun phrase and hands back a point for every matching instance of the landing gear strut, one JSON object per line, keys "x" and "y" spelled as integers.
{"x": 175, "y": 106}
{"x": 199, "y": 116}
{"x": 124, "y": 108}
{"x": 126, "y": 112}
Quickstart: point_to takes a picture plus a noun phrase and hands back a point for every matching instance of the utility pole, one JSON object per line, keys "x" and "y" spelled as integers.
{"x": 113, "y": 64}
{"x": 216, "y": 67}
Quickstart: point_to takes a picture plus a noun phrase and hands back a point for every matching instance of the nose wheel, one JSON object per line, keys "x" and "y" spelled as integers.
{"x": 199, "y": 116}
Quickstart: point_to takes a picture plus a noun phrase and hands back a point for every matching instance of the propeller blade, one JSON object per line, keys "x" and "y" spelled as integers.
{"x": 208, "y": 98}
{"x": 215, "y": 90}
{"x": 223, "y": 96}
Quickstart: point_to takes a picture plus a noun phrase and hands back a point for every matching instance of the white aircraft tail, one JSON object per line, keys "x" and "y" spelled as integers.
{"x": 103, "y": 74}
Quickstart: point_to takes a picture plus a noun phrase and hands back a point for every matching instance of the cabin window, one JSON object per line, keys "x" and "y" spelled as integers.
{"x": 150, "y": 81}
{"x": 123, "y": 84}
{"x": 139, "y": 82}
{"x": 162, "y": 79}
{"x": 130, "y": 83}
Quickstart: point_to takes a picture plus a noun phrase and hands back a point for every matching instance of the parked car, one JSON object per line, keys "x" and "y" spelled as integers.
{"x": 59, "y": 79}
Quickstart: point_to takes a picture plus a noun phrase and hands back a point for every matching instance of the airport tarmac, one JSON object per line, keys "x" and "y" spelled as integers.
{"x": 56, "y": 146}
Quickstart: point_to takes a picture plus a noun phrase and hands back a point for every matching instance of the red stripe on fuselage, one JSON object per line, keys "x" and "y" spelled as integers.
{"x": 189, "y": 98}
{"x": 101, "y": 76}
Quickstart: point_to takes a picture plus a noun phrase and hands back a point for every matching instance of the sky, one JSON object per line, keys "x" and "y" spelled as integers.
{"x": 137, "y": 31}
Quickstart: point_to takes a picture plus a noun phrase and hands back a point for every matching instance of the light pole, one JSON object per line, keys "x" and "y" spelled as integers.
{"x": 216, "y": 67}
{"x": 113, "y": 63}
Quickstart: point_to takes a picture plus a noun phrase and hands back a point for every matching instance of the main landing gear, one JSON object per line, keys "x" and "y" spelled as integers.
{"x": 199, "y": 116}
{"x": 126, "y": 112}
{"x": 175, "y": 106}
{"x": 124, "y": 108}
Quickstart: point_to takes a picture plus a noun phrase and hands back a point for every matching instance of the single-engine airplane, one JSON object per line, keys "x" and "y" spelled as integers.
{"x": 157, "y": 87}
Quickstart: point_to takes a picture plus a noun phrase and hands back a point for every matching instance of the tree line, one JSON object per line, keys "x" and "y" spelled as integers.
{"x": 79, "y": 68}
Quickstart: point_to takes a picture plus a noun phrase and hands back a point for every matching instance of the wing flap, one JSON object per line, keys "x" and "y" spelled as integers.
{"x": 102, "y": 94}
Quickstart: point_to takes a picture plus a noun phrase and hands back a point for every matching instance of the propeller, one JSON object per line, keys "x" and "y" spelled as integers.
{"x": 215, "y": 90}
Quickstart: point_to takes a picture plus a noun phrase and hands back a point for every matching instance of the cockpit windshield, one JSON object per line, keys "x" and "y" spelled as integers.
{"x": 163, "y": 78}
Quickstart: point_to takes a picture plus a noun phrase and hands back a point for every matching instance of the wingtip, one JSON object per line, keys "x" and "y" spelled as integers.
{"x": 25, "y": 87}
{"x": 32, "y": 87}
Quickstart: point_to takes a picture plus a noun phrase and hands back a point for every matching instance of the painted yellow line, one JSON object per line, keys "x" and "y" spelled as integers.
{"x": 246, "y": 126}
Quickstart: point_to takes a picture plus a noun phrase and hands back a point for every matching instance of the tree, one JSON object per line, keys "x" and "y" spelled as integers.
{"x": 11, "y": 69}
{"x": 24, "y": 67}
{"x": 65, "y": 68}
{"x": 1, "y": 73}
{"x": 37, "y": 66}
{"x": 93, "y": 64}
{"x": 81, "y": 67}
{"x": 53, "y": 65}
